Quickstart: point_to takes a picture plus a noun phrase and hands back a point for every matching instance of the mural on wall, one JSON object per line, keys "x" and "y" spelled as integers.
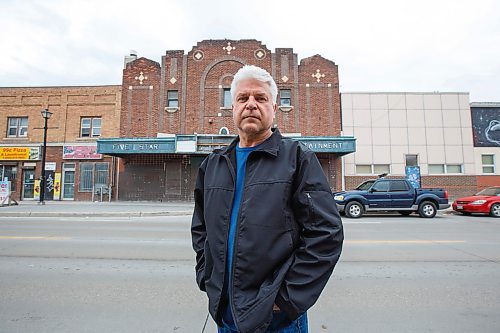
{"x": 486, "y": 127}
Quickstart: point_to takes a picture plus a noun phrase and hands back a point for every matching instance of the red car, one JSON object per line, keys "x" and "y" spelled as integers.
{"x": 487, "y": 202}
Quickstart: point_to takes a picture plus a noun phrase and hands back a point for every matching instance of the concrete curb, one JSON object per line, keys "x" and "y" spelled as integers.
{"x": 93, "y": 214}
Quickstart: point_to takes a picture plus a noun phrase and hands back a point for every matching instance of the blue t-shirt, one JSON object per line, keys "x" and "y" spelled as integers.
{"x": 241, "y": 161}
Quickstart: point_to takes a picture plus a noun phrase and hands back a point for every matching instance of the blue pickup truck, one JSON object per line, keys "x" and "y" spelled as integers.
{"x": 391, "y": 195}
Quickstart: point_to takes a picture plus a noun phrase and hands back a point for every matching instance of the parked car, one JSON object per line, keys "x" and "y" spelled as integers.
{"x": 486, "y": 201}
{"x": 391, "y": 195}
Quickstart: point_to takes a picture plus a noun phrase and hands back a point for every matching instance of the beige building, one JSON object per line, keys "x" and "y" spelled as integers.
{"x": 394, "y": 130}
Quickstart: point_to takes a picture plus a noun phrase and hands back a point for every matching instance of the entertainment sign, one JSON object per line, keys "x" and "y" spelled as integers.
{"x": 205, "y": 144}
{"x": 334, "y": 145}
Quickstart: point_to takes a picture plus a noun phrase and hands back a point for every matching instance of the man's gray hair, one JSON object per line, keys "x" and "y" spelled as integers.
{"x": 257, "y": 73}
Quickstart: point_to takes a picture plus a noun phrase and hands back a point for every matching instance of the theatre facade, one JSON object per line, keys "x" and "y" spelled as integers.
{"x": 174, "y": 113}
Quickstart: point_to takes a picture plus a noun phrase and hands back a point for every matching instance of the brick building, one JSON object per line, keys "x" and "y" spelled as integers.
{"x": 73, "y": 167}
{"x": 144, "y": 139}
{"x": 174, "y": 113}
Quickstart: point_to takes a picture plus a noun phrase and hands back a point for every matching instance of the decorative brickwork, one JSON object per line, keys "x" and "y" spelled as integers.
{"x": 200, "y": 77}
{"x": 140, "y": 99}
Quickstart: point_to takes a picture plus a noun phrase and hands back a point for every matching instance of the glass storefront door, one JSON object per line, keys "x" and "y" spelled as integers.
{"x": 68, "y": 185}
{"x": 28, "y": 184}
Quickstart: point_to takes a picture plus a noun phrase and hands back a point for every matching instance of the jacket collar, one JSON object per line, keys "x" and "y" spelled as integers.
{"x": 270, "y": 145}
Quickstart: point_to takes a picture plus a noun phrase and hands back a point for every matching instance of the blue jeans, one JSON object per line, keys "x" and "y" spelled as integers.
{"x": 299, "y": 325}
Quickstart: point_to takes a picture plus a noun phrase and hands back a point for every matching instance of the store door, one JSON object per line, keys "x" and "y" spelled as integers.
{"x": 49, "y": 185}
{"x": 28, "y": 184}
{"x": 68, "y": 185}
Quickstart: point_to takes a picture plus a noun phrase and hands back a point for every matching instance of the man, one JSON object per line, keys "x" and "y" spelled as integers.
{"x": 265, "y": 227}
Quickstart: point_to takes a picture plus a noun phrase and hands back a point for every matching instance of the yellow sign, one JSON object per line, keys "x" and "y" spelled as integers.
{"x": 37, "y": 190}
{"x": 14, "y": 153}
{"x": 57, "y": 185}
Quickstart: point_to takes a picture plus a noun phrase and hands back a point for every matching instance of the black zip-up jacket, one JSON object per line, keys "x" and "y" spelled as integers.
{"x": 288, "y": 239}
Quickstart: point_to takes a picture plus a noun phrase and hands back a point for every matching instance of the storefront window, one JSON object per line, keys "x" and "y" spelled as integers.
{"x": 9, "y": 172}
{"x": 93, "y": 174}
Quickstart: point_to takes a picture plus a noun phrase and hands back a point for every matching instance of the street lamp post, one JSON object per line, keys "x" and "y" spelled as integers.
{"x": 46, "y": 114}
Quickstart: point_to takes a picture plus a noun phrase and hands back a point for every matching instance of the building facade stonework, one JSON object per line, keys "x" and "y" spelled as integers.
{"x": 186, "y": 98}
{"x": 145, "y": 139}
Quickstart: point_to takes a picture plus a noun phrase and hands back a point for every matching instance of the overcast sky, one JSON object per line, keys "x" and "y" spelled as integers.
{"x": 385, "y": 45}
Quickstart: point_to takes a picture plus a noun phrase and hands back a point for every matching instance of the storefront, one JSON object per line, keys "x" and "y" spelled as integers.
{"x": 18, "y": 166}
{"x": 165, "y": 169}
{"x": 72, "y": 172}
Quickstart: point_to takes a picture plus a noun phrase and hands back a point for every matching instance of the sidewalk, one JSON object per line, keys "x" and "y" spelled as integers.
{"x": 114, "y": 208}
{"x": 86, "y": 208}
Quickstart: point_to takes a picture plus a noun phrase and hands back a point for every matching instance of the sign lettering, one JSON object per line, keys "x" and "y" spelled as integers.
{"x": 14, "y": 153}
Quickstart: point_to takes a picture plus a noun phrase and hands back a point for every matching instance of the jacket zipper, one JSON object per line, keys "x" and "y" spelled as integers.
{"x": 230, "y": 280}
{"x": 233, "y": 309}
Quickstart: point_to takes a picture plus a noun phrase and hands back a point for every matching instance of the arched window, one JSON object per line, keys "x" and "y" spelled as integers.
{"x": 224, "y": 131}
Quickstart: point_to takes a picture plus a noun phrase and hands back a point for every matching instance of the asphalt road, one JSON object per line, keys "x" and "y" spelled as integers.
{"x": 396, "y": 274}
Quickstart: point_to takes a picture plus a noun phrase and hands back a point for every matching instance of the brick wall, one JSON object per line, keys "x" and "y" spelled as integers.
{"x": 457, "y": 186}
{"x": 68, "y": 105}
{"x": 319, "y": 97}
{"x": 140, "y": 99}
{"x": 200, "y": 77}
{"x": 332, "y": 167}
{"x": 487, "y": 181}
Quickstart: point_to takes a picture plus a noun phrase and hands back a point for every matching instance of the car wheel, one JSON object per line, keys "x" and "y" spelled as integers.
{"x": 354, "y": 210}
{"x": 427, "y": 209}
{"x": 495, "y": 210}
{"x": 405, "y": 212}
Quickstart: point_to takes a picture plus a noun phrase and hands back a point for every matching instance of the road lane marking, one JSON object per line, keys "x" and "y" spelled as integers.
{"x": 404, "y": 241}
{"x": 366, "y": 222}
{"x": 414, "y": 241}
{"x": 35, "y": 237}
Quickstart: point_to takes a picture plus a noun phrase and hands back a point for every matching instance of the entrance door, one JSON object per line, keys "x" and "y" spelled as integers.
{"x": 173, "y": 180}
{"x": 68, "y": 185}
{"x": 28, "y": 184}
{"x": 49, "y": 185}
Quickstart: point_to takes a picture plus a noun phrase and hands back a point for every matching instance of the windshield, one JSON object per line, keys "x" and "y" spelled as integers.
{"x": 490, "y": 191}
{"x": 365, "y": 186}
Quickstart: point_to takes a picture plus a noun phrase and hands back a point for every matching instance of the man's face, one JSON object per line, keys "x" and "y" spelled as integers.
{"x": 253, "y": 108}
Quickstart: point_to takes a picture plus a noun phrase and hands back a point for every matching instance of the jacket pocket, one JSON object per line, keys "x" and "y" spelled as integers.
{"x": 209, "y": 263}
{"x": 320, "y": 204}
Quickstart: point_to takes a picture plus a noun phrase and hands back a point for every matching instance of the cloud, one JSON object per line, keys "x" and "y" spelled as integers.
{"x": 386, "y": 45}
